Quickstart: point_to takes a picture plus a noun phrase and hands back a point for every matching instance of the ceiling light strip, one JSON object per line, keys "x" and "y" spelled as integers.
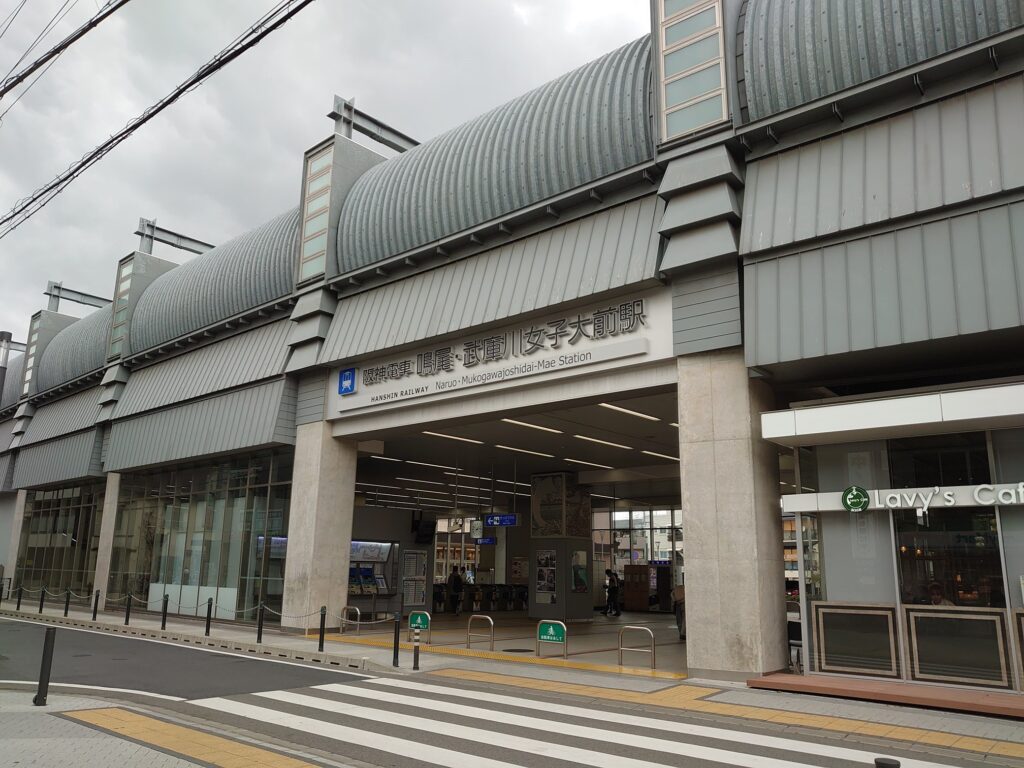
{"x": 603, "y": 442}
{"x": 620, "y": 409}
{"x": 533, "y": 426}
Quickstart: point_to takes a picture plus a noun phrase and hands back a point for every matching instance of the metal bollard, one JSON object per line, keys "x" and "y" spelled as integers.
{"x": 42, "y": 598}
{"x": 416, "y": 650}
{"x": 128, "y": 610}
{"x": 886, "y": 762}
{"x": 323, "y": 627}
{"x": 398, "y": 632}
{"x": 163, "y": 613}
{"x": 67, "y": 602}
{"x": 209, "y": 614}
{"x": 95, "y": 604}
{"x": 21, "y": 589}
{"x": 44, "y": 670}
{"x": 259, "y": 624}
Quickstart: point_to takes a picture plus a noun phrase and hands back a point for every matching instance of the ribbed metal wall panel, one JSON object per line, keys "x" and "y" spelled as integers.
{"x": 5, "y": 434}
{"x": 796, "y": 51}
{"x": 56, "y": 461}
{"x": 62, "y": 417}
{"x": 242, "y": 359}
{"x": 311, "y": 396}
{"x": 945, "y": 278}
{"x": 942, "y": 154}
{"x": 607, "y": 250}
{"x": 243, "y": 273}
{"x": 244, "y": 418}
{"x": 585, "y": 125}
{"x": 284, "y": 430}
{"x": 7, "y": 461}
{"x": 77, "y": 350}
{"x": 12, "y": 381}
{"x": 706, "y": 310}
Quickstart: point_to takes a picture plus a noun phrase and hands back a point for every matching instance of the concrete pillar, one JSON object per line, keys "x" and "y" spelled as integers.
{"x": 319, "y": 525}
{"x": 732, "y": 530}
{"x": 108, "y": 523}
{"x": 14, "y": 538}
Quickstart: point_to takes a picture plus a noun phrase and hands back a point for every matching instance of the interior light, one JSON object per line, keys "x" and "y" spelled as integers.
{"x": 603, "y": 442}
{"x": 436, "y": 466}
{"x": 673, "y": 424}
{"x": 620, "y": 409}
{"x": 523, "y": 450}
{"x": 513, "y": 482}
{"x": 428, "y": 490}
{"x": 475, "y": 477}
{"x": 671, "y": 458}
{"x": 532, "y": 426}
{"x": 589, "y": 463}
{"x": 417, "y": 480}
{"x": 382, "y": 458}
{"x": 395, "y": 495}
{"x": 454, "y": 437}
{"x": 602, "y": 496}
{"x": 378, "y": 485}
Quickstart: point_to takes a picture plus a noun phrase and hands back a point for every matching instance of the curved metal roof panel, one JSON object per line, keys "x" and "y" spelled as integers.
{"x": 75, "y": 351}
{"x": 797, "y": 51}
{"x": 12, "y": 382}
{"x": 250, "y": 270}
{"x": 585, "y": 125}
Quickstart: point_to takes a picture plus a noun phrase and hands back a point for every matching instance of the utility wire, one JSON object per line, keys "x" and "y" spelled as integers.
{"x": 106, "y": 12}
{"x": 6, "y": 23}
{"x": 272, "y": 20}
{"x": 28, "y": 88}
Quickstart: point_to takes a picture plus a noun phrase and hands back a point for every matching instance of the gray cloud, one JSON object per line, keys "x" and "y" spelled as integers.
{"x": 227, "y": 156}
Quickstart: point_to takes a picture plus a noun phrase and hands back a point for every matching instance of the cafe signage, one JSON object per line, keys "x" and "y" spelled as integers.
{"x": 857, "y": 499}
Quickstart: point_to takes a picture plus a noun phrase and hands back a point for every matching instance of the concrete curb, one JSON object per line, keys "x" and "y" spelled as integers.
{"x": 264, "y": 651}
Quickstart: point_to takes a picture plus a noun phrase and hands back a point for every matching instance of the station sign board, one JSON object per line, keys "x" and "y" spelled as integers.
{"x": 551, "y": 632}
{"x": 501, "y": 521}
{"x": 487, "y": 540}
{"x": 419, "y": 620}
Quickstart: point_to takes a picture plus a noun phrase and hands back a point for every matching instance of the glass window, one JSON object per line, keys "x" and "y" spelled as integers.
{"x": 693, "y": 85}
{"x": 126, "y": 268}
{"x": 315, "y": 224}
{"x": 313, "y": 245}
{"x": 115, "y": 346}
{"x": 121, "y": 315}
{"x": 691, "y": 25}
{"x": 923, "y": 462}
{"x": 840, "y": 466}
{"x": 672, "y": 7}
{"x": 124, "y": 285}
{"x": 698, "y": 52}
{"x": 320, "y": 182}
{"x": 312, "y": 267}
{"x": 318, "y": 203}
{"x": 317, "y": 164}
{"x": 694, "y": 116}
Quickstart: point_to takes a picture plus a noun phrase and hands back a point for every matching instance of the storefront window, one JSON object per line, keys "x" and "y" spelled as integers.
{"x": 943, "y": 460}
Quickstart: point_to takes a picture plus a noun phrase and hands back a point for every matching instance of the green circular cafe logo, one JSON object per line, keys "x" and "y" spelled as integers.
{"x": 855, "y": 499}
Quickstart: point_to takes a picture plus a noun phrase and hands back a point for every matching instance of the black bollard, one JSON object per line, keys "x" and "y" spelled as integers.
{"x": 44, "y": 670}
{"x": 21, "y": 589}
{"x": 398, "y": 632}
{"x": 95, "y": 604}
{"x": 886, "y": 762}
{"x": 209, "y": 614}
{"x": 42, "y": 598}
{"x": 163, "y": 614}
{"x": 128, "y": 610}
{"x": 323, "y": 627}
{"x": 67, "y": 602}
{"x": 416, "y": 650}
{"x": 259, "y": 624}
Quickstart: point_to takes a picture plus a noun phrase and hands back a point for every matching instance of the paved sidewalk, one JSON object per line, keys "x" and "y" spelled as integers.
{"x": 39, "y": 737}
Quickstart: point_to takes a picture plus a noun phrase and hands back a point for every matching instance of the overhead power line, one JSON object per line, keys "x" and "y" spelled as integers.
{"x": 272, "y": 20}
{"x": 105, "y": 13}
{"x": 6, "y": 23}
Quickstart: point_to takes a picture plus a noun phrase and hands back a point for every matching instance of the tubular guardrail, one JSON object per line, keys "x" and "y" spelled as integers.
{"x": 469, "y": 627}
{"x": 637, "y": 650}
{"x": 345, "y": 619}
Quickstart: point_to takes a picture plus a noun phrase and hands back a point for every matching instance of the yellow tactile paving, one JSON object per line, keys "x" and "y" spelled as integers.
{"x": 448, "y": 650}
{"x": 187, "y": 742}
{"x": 691, "y": 699}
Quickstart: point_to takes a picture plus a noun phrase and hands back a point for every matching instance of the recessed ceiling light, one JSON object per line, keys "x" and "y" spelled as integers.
{"x": 437, "y": 466}
{"x": 603, "y": 442}
{"x": 589, "y": 464}
{"x": 523, "y": 450}
{"x": 532, "y": 426}
{"x": 383, "y": 458}
{"x": 513, "y": 482}
{"x": 395, "y": 495}
{"x": 454, "y": 437}
{"x": 417, "y": 480}
{"x": 428, "y": 490}
{"x": 379, "y": 485}
{"x": 460, "y": 486}
{"x": 661, "y": 455}
{"x": 475, "y": 477}
{"x": 602, "y": 496}
{"x": 673, "y": 424}
{"x": 511, "y": 493}
{"x": 620, "y": 409}
{"x": 438, "y": 506}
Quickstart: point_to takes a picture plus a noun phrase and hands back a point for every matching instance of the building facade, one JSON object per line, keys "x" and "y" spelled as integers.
{"x": 766, "y": 261}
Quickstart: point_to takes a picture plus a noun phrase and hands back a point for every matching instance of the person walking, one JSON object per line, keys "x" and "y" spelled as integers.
{"x": 612, "y": 588}
{"x": 455, "y": 584}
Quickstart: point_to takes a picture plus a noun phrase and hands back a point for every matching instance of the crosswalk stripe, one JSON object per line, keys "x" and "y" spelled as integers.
{"x": 424, "y": 753}
{"x": 521, "y": 743}
{"x": 668, "y": 726}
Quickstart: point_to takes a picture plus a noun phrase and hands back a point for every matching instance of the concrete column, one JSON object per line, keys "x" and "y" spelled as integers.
{"x": 319, "y": 525}
{"x": 108, "y": 523}
{"x": 14, "y": 537}
{"x": 732, "y": 530}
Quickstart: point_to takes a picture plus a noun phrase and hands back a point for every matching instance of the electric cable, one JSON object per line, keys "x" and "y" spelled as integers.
{"x": 56, "y": 19}
{"x": 6, "y": 23}
{"x": 252, "y": 36}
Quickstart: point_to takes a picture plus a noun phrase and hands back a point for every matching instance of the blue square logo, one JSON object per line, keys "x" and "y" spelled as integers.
{"x": 347, "y": 382}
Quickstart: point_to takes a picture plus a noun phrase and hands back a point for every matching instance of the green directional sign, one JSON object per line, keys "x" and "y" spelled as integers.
{"x": 550, "y": 632}
{"x": 419, "y": 620}
{"x": 855, "y": 499}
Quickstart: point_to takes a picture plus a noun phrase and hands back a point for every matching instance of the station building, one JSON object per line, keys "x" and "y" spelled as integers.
{"x": 765, "y": 263}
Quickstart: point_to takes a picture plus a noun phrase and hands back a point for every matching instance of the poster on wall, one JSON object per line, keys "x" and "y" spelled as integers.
{"x": 546, "y": 565}
{"x": 519, "y": 573}
{"x": 579, "y": 571}
{"x": 547, "y": 506}
{"x": 414, "y": 577}
{"x": 577, "y": 512}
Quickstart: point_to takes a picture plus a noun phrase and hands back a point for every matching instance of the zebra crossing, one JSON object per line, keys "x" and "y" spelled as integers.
{"x": 399, "y": 722}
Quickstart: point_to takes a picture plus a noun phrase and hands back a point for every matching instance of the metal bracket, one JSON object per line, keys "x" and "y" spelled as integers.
{"x": 919, "y": 83}
{"x": 347, "y": 118}
{"x": 993, "y": 57}
{"x": 57, "y": 291}
{"x": 149, "y": 233}
{"x": 837, "y": 111}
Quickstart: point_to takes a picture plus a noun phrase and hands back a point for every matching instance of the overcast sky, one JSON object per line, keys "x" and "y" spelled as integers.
{"x": 227, "y": 156}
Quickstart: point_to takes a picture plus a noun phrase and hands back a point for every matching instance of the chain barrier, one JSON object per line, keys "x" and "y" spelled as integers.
{"x": 350, "y": 621}
{"x": 118, "y": 600}
{"x": 285, "y": 616}
{"x": 82, "y": 597}
{"x": 29, "y": 591}
{"x": 53, "y": 594}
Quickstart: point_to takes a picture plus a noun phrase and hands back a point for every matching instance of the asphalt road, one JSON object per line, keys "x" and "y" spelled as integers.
{"x": 97, "y": 659}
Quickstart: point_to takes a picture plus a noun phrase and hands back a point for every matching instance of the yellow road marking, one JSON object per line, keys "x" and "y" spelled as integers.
{"x": 692, "y": 698}
{"x": 514, "y": 658}
{"x": 187, "y": 742}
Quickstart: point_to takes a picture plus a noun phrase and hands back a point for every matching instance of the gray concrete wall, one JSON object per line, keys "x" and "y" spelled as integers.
{"x": 7, "y": 503}
{"x": 108, "y": 524}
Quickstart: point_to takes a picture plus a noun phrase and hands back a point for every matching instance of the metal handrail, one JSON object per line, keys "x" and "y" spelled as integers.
{"x": 637, "y": 650}
{"x": 469, "y": 626}
{"x": 565, "y": 634}
{"x": 345, "y": 619}
{"x": 430, "y": 626}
